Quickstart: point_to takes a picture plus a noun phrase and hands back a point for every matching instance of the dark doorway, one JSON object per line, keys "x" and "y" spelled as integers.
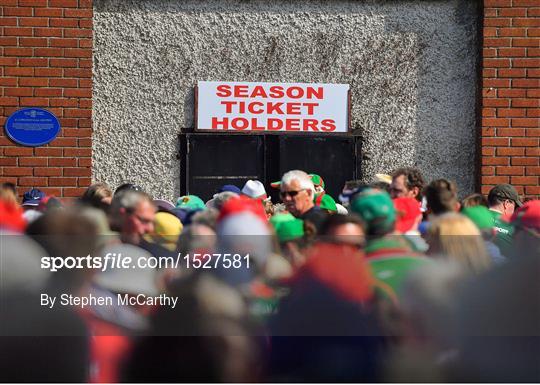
{"x": 212, "y": 160}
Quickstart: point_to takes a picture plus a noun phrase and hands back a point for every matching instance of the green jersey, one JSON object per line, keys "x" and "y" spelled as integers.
{"x": 504, "y": 233}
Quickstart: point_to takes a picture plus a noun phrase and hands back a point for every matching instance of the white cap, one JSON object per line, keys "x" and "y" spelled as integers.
{"x": 341, "y": 209}
{"x": 254, "y": 189}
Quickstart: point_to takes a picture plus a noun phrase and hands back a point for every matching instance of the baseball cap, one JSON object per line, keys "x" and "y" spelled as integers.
{"x": 167, "y": 229}
{"x": 527, "y": 216}
{"x": 162, "y": 204}
{"x": 317, "y": 181}
{"x": 242, "y": 204}
{"x": 376, "y": 208}
{"x": 254, "y": 189}
{"x": 327, "y": 203}
{"x": 505, "y": 191}
{"x": 287, "y": 227}
{"x": 383, "y": 178}
{"x": 33, "y": 197}
{"x": 231, "y": 188}
{"x": 190, "y": 202}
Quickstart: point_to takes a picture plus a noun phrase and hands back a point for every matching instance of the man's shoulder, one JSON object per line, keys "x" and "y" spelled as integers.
{"x": 314, "y": 213}
{"x": 316, "y": 216}
{"x": 494, "y": 214}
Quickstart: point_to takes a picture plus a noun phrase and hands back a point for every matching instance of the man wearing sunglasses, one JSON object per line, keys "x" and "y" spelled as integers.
{"x": 296, "y": 192}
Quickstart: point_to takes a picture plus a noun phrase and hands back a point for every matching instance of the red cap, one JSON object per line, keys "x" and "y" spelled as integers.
{"x": 408, "y": 210}
{"x": 242, "y": 204}
{"x": 11, "y": 217}
{"x": 527, "y": 216}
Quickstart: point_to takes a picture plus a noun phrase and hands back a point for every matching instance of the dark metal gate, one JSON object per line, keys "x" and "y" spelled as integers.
{"x": 212, "y": 160}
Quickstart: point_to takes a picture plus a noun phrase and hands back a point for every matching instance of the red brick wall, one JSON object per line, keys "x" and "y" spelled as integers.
{"x": 510, "y": 121}
{"x": 46, "y": 61}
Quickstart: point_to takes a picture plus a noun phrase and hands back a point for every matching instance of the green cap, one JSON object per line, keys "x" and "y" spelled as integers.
{"x": 480, "y": 216}
{"x": 190, "y": 202}
{"x": 317, "y": 180}
{"x": 327, "y": 203}
{"x": 376, "y": 208}
{"x": 288, "y": 228}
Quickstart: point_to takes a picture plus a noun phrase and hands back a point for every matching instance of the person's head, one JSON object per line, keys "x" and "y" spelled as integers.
{"x": 127, "y": 187}
{"x": 526, "y": 223}
{"x": 377, "y": 210}
{"x": 190, "y": 202}
{"x": 8, "y": 193}
{"x": 167, "y": 229}
{"x": 241, "y": 204}
{"x": 504, "y": 199}
{"x": 268, "y": 208}
{"x": 351, "y": 188}
{"x": 409, "y": 214}
{"x": 474, "y": 200}
{"x": 441, "y": 196}
{"x": 64, "y": 234}
{"x": 287, "y": 227}
{"x": 219, "y": 199}
{"x": 347, "y": 229}
{"x": 32, "y": 198}
{"x": 482, "y": 218}
{"x": 290, "y": 232}
{"x": 297, "y": 191}
{"x": 207, "y": 217}
{"x": 132, "y": 214}
{"x": 50, "y": 203}
{"x": 457, "y": 237}
{"x": 327, "y": 203}
{"x": 407, "y": 182}
{"x": 248, "y": 235}
{"x": 11, "y": 217}
{"x": 383, "y": 186}
{"x": 196, "y": 238}
{"x": 318, "y": 183}
{"x": 254, "y": 189}
{"x": 98, "y": 195}
{"x": 230, "y": 188}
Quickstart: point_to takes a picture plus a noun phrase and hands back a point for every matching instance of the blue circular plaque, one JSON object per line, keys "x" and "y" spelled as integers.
{"x": 32, "y": 127}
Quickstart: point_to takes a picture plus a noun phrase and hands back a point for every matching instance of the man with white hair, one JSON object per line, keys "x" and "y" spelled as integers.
{"x": 297, "y": 191}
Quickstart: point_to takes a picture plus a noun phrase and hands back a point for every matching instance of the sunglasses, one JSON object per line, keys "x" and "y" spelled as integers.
{"x": 292, "y": 194}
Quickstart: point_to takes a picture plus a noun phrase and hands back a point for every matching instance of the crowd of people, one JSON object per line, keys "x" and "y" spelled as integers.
{"x": 395, "y": 280}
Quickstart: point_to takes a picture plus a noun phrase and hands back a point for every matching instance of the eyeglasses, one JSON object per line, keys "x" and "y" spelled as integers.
{"x": 292, "y": 194}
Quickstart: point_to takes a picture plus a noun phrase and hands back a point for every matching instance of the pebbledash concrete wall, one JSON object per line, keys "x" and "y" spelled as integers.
{"x": 412, "y": 66}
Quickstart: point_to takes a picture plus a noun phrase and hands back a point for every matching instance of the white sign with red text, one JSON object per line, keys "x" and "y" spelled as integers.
{"x": 272, "y": 107}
